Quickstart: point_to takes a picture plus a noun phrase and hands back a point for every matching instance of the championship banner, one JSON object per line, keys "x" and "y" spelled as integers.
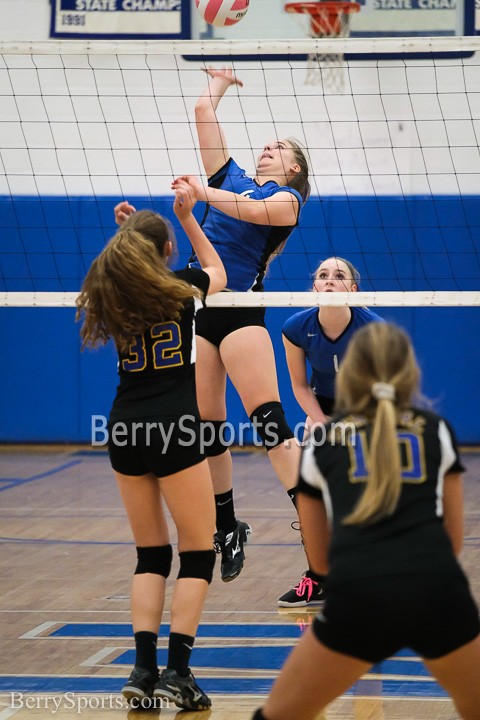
{"x": 120, "y": 19}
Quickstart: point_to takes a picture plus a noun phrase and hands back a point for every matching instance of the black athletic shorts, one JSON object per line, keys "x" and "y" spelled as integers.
{"x": 214, "y": 324}
{"x": 373, "y": 618}
{"x": 161, "y": 446}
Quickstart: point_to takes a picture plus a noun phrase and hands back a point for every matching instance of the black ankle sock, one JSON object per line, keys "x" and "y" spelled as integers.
{"x": 292, "y": 494}
{"x": 179, "y": 650}
{"x": 225, "y": 509}
{"x": 315, "y": 577}
{"x": 146, "y": 650}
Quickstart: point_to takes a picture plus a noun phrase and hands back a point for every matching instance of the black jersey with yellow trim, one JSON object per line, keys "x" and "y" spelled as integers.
{"x": 157, "y": 374}
{"x": 412, "y": 539}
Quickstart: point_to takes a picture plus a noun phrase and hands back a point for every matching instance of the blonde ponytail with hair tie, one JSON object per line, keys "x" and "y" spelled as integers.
{"x": 383, "y": 391}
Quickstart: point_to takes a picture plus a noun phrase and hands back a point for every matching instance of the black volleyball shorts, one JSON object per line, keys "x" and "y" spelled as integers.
{"x": 373, "y": 618}
{"x": 162, "y": 446}
{"x": 214, "y": 324}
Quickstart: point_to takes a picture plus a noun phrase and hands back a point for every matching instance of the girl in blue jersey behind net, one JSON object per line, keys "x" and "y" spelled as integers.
{"x": 320, "y": 336}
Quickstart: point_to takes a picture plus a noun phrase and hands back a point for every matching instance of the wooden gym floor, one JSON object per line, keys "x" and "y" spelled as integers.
{"x": 65, "y": 569}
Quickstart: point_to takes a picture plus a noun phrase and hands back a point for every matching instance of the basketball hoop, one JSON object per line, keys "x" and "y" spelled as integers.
{"x": 324, "y": 19}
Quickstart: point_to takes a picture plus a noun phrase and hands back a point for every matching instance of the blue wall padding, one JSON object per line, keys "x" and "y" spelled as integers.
{"x": 51, "y": 390}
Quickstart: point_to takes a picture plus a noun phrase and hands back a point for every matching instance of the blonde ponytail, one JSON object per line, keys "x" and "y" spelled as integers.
{"x": 377, "y": 378}
{"x": 382, "y": 490}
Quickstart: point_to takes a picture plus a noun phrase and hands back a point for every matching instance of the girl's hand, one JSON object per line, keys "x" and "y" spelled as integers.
{"x": 122, "y": 211}
{"x": 194, "y": 183}
{"x": 225, "y": 74}
{"x": 184, "y": 198}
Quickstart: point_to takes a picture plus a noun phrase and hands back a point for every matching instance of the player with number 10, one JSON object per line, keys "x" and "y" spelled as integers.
{"x": 384, "y": 495}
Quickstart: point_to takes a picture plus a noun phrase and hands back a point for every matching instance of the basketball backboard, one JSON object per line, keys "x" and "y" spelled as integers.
{"x": 266, "y": 19}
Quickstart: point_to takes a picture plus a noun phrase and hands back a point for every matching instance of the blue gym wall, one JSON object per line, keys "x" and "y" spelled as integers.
{"x": 51, "y": 389}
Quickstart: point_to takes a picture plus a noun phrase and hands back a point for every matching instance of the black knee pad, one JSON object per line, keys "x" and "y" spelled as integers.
{"x": 156, "y": 559}
{"x": 213, "y": 437}
{"x": 270, "y": 425}
{"x": 197, "y": 564}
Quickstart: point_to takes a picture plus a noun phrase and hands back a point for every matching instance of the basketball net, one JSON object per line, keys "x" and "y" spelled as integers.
{"x": 325, "y": 19}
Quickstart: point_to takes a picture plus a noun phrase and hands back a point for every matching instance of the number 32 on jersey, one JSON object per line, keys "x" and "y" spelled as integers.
{"x": 165, "y": 349}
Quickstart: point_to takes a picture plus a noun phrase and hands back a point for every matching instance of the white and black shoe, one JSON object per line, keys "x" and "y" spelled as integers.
{"x": 184, "y": 692}
{"x": 231, "y": 547}
{"x": 139, "y": 685}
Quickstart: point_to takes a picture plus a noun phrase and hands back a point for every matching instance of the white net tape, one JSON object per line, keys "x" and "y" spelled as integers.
{"x": 279, "y": 299}
{"x": 354, "y": 46}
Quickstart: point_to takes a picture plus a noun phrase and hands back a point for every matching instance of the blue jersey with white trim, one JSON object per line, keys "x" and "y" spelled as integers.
{"x": 324, "y": 355}
{"x": 244, "y": 247}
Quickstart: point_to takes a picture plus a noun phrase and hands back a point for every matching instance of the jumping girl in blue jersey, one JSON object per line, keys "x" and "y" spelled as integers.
{"x": 247, "y": 220}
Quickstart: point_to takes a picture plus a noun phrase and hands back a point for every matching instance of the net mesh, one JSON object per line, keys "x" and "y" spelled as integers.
{"x": 394, "y": 158}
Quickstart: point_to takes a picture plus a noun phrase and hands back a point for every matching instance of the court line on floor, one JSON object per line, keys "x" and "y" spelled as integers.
{"x": 59, "y": 541}
{"x": 8, "y": 712}
{"x": 34, "y": 633}
{"x": 44, "y": 684}
{"x": 16, "y": 482}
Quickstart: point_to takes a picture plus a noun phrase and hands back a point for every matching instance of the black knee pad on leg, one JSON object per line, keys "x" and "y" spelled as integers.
{"x": 197, "y": 564}
{"x": 213, "y": 436}
{"x": 156, "y": 559}
{"x": 270, "y": 425}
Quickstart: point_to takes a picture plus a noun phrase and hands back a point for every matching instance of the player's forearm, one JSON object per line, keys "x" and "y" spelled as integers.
{"x": 237, "y": 206}
{"x": 207, "y": 256}
{"x": 259, "y": 212}
{"x": 211, "y": 138}
{"x": 209, "y": 99}
{"x": 453, "y": 520}
{"x": 305, "y": 397}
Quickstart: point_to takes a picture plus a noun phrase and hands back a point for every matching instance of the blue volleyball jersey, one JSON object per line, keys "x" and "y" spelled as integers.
{"x": 244, "y": 247}
{"x": 324, "y": 355}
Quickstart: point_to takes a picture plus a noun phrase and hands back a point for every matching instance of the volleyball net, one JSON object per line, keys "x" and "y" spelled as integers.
{"x": 394, "y": 154}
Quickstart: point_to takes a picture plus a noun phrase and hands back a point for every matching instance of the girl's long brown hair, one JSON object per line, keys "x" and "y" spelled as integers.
{"x": 129, "y": 286}
{"x": 378, "y": 353}
{"x": 299, "y": 182}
